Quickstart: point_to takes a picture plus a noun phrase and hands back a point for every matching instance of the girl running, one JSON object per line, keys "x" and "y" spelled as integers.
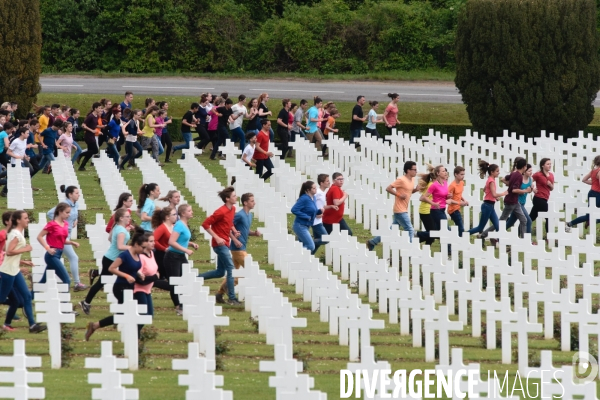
{"x": 305, "y": 211}
{"x": 148, "y": 193}
{"x": 592, "y": 178}
{"x": 173, "y": 197}
{"x": 71, "y": 197}
{"x": 119, "y": 237}
{"x": 142, "y": 290}
{"x": 65, "y": 141}
{"x": 373, "y": 119}
{"x": 131, "y": 140}
{"x": 544, "y": 183}
{"x": 53, "y": 239}
{"x": 125, "y": 201}
{"x": 526, "y": 184}
{"x": 163, "y": 222}
{"x": 10, "y": 274}
{"x": 390, "y": 115}
{"x": 489, "y": 199}
{"x": 127, "y": 268}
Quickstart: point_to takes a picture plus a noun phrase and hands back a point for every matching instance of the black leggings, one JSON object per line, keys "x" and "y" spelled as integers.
{"x": 284, "y": 139}
{"x": 106, "y": 262}
{"x": 92, "y": 149}
{"x": 173, "y": 263}
{"x": 167, "y": 143}
{"x": 162, "y": 283}
{"x": 539, "y": 204}
{"x": 429, "y": 224}
{"x": 118, "y": 289}
{"x": 203, "y": 136}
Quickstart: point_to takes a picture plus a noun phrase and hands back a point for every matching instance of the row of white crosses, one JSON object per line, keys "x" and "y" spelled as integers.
{"x": 152, "y": 173}
{"x": 516, "y": 321}
{"x": 275, "y": 315}
{"x": 64, "y": 174}
{"x": 20, "y": 193}
{"x": 111, "y": 181}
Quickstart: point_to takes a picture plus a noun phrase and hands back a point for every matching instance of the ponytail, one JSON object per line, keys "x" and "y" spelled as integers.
{"x": 486, "y": 168}
{"x": 145, "y": 190}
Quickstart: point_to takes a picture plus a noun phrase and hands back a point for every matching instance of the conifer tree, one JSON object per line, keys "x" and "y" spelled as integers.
{"x": 20, "y": 53}
{"x": 528, "y": 65}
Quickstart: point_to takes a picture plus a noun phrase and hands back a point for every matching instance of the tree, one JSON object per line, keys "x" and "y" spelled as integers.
{"x": 20, "y": 53}
{"x": 528, "y": 65}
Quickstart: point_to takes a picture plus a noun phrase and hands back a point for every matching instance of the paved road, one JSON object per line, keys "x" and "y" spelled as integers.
{"x": 340, "y": 91}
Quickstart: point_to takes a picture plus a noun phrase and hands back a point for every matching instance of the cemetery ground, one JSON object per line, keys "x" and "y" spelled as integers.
{"x": 320, "y": 351}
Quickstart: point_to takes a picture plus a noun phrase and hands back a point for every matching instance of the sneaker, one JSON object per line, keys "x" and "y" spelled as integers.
{"x": 8, "y": 328}
{"x": 568, "y": 227}
{"x": 90, "y": 331}
{"x": 161, "y": 164}
{"x": 80, "y": 287}
{"x": 35, "y": 189}
{"x": 96, "y": 155}
{"x": 222, "y": 157}
{"x": 234, "y": 302}
{"x": 370, "y": 246}
{"x": 37, "y": 328}
{"x": 233, "y": 180}
{"x": 85, "y": 307}
{"x": 93, "y": 274}
{"x": 494, "y": 242}
{"x": 219, "y": 298}
{"x": 179, "y": 310}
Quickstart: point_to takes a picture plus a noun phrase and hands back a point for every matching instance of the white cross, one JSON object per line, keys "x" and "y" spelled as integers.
{"x": 19, "y": 376}
{"x": 128, "y": 316}
{"x": 110, "y": 378}
{"x": 443, "y": 325}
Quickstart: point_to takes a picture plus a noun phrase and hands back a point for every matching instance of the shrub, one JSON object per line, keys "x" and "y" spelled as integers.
{"x": 528, "y": 65}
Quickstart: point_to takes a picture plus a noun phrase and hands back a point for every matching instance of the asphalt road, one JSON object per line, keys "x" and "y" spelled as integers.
{"x": 340, "y": 91}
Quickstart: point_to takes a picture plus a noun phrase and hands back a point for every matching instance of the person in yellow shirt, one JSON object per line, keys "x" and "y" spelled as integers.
{"x": 149, "y": 138}
{"x": 44, "y": 121}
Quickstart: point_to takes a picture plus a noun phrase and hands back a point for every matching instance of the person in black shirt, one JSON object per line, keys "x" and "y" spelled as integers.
{"x": 187, "y": 123}
{"x": 263, "y": 112}
{"x": 201, "y": 125}
{"x": 224, "y": 120}
{"x": 357, "y": 118}
{"x": 283, "y": 127}
{"x": 91, "y": 125}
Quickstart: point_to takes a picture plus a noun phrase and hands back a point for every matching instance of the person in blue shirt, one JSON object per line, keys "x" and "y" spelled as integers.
{"x": 148, "y": 193}
{"x": 178, "y": 248}
{"x": 127, "y": 269}
{"x": 115, "y": 128}
{"x": 127, "y": 102}
{"x": 242, "y": 222}
{"x": 313, "y": 133}
{"x": 49, "y": 136}
{"x": 305, "y": 211}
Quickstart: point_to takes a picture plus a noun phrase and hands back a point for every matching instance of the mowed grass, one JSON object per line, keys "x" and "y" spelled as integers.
{"x": 157, "y": 381}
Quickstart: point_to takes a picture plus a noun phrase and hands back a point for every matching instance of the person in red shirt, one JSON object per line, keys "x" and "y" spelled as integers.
{"x": 163, "y": 221}
{"x": 336, "y": 197}
{"x": 220, "y": 225}
{"x": 125, "y": 201}
{"x": 262, "y": 155}
{"x": 544, "y": 182}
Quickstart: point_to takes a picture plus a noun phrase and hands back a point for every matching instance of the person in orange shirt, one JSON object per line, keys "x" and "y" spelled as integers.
{"x": 44, "y": 121}
{"x": 390, "y": 115}
{"x": 455, "y": 194}
{"x": 330, "y": 127}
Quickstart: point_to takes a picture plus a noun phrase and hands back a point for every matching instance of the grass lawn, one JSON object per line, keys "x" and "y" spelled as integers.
{"x": 425, "y": 75}
{"x": 157, "y": 381}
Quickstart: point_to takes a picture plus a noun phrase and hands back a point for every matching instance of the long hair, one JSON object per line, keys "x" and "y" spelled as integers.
{"x": 160, "y": 216}
{"x": 122, "y": 199}
{"x": 15, "y": 218}
{"x": 486, "y": 168}
{"x": 430, "y": 176}
{"x": 306, "y": 186}
{"x": 145, "y": 190}
{"x": 60, "y": 208}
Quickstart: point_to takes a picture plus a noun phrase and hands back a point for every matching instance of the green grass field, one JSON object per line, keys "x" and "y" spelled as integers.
{"x": 157, "y": 380}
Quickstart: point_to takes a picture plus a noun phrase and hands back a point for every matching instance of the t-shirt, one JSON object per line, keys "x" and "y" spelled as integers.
{"x": 240, "y": 111}
{"x": 262, "y": 140}
{"x": 214, "y": 121}
{"x": 320, "y": 202}
{"x": 18, "y": 147}
{"x": 513, "y": 183}
{"x": 487, "y": 191}
{"x": 313, "y": 113}
{"x": 3, "y": 135}
{"x": 371, "y": 117}
{"x": 162, "y": 234}
{"x": 57, "y": 235}
{"x": 128, "y": 266}
{"x": 425, "y": 207}
{"x": 184, "y": 236}
{"x": 331, "y": 215}
{"x": 148, "y": 209}
{"x": 148, "y": 131}
{"x": 242, "y": 222}
{"x": 297, "y": 119}
{"x": 10, "y": 264}
{"x": 30, "y": 140}
{"x": 125, "y": 105}
{"x": 225, "y": 114}
{"x": 91, "y": 121}
{"x": 66, "y": 142}
{"x": 358, "y": 111}
{"x": 114, "y": 128}
{"x": 220, "y": 222}
{"x": 113, "y": 251}
{"x": 392, "y": 115}
{"x": 523, "y": 197}
{"x": 404, "y": 186}
{"x": 264, "y": 109}
{"x": 331, "y": 124}
{"x": 249, "y": 153}
{"x": 49, "y": 137}
{"x": 2, "y": 245}
{"x": 457, "y": 190}
{"x": 439, "y": 193}
{"x": 188, "y": 117}
{"x": 44, "y": 122}
{"x": 284, "y": 116}
{"x": 543, "y": 191}
{"x": 158, "y": 130}
{"x": 149, "y": 268}
{"x": 201, "y": 115}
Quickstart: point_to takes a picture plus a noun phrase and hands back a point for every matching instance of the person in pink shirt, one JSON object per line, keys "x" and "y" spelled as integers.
{"x": 437, "y": 195}
{"x": 53, "y": 238}
{"x": 142, "y": 290}
{"x": 65, "y": 141}
{"x": 490, "y": 196}
{"x": 390, "y": 115}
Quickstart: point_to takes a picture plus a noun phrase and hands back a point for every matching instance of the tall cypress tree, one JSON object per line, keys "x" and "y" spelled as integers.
{"x": 20, "y": 53}
{"x": 528, "y": 65}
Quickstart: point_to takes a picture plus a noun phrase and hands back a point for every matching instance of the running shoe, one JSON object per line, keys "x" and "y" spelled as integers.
{"x": 234, "y": 302}
{"x": 8, "y": 328}
{"x": 89, "y": 331}
{"x": 219, "y": 298}
{"x": 568, "y": 227}
{"x": 37, "y": 328}
{"x": 80, "y": 287}
{"x": 85, "y": 307}
{"x": 93, "y": 274}
{"x": 179, "y": 310}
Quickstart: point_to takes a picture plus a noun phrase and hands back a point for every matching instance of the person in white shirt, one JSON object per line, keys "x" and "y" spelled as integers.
{"x": 249, "y": 150}
{"x": 239, "y": 113}
{"x": 321, "y": 202}
{"x": 17, "y": 148}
